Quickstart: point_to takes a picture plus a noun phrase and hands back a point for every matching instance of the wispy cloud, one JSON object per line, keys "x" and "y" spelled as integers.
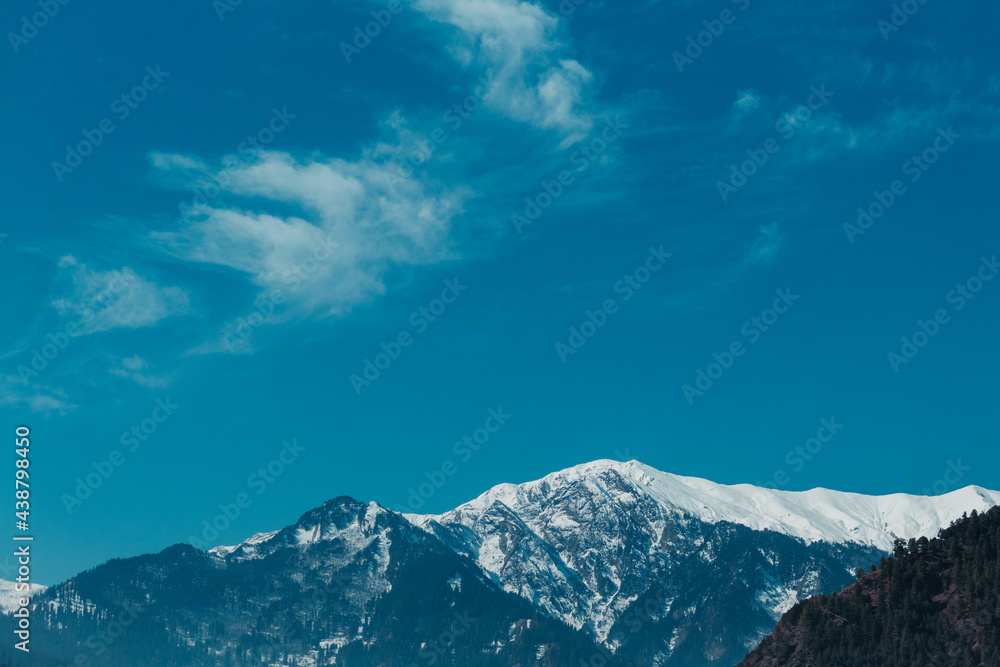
{"x": 137, "y": 369}
{"x": 766, "y": 246}
{"x": 533, "y": 81}
{"x": 16, "y": 392}
{"x": 114, "y": 299}
{"x": 325, "y": 231}
{"x": 747, "y": 101}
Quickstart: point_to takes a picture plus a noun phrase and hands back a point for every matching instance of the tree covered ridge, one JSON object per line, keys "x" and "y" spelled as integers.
{"x": 933, "y": 603}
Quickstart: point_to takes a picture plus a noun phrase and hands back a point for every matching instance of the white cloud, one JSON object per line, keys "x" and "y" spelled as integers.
{"x": 747, "y": 101}
{"x": 43, "y": 403}
{"x": 324, "y": 231}
{"x": 766, "y": 245}
{"x": 516, "y": 41}
{"x": 137, "y": 369}
{"x": 15, "y": 392}
{"x": 105, "y": 300}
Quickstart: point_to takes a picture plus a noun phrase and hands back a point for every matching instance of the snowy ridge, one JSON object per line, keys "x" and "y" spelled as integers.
{"x": 588, "y": 543}
{"x": 303, "y": 534}
{"x": 9, "y": 596}
{"x": 815, "y": 515}
{"x": 253, "y": 540}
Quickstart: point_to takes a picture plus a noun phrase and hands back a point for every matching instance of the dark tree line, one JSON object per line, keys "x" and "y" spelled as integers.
{"x": 932, "y": 603}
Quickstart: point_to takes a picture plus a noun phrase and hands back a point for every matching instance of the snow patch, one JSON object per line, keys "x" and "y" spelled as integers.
{"x": 10, "y": 597}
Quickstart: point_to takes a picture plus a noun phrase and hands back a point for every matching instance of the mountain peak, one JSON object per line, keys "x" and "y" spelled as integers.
{"x": 815, "y": 515}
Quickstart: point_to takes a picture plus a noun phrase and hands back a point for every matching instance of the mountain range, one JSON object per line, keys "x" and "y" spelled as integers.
{"x": 606, "y": 563}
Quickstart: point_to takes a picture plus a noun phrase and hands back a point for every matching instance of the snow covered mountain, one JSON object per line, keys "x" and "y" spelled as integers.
{"x": 603, "y": 544}
{"x": 604, "y": 563}
{"x": 816, "y": 515}
{"x": 349, "y": 583}
{"x": 9, "y": 597}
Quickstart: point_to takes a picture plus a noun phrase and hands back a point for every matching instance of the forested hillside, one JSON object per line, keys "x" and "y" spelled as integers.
{"x": 932, "y": 603}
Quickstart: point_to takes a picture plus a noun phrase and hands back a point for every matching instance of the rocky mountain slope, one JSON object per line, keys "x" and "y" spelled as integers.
{"x": 349, "y": 582}
{"x": 674, "y": 569}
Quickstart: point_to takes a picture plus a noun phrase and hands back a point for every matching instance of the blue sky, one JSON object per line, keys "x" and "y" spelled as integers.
{"x": 227, "y": 247}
